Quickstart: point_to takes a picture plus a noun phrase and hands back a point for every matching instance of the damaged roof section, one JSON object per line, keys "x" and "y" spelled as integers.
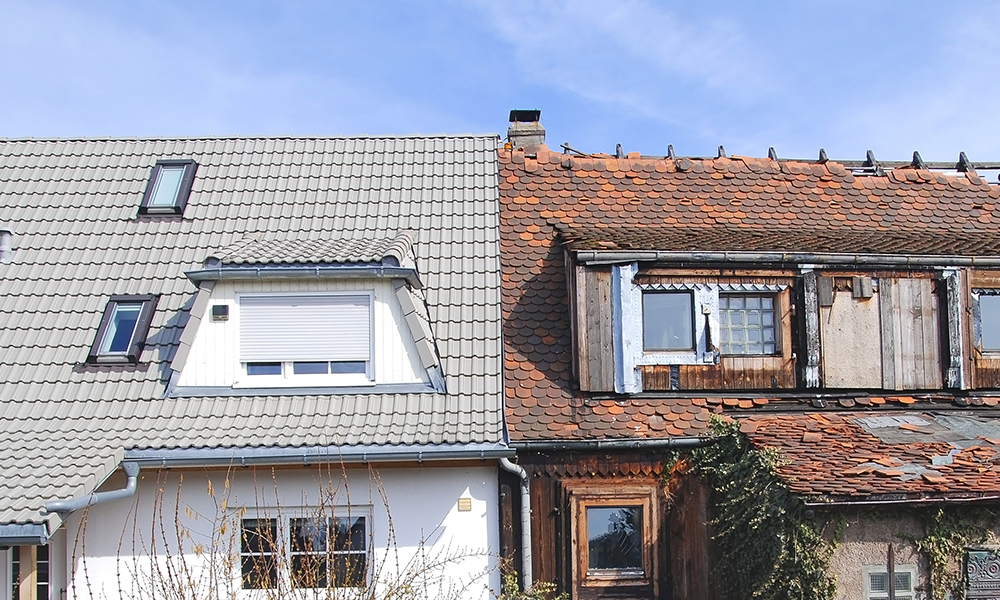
{"x": 909, "y": 456}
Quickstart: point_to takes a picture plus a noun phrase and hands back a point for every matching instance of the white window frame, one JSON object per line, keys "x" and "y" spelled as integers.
{"x": 288, "y": 377}
{"x": 284, "y": 516}
{"x": 869, "y": 570}
{"x": 628, "y": 324}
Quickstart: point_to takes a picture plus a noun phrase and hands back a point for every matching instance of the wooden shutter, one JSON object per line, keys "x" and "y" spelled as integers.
{"x": 305, "y": 328}
{"x": 911, "y": 343}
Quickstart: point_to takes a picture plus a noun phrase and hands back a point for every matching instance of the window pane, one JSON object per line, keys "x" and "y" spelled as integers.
{"x": 903, "y": 583}
{"x": 748, "y": 324}
{"x": 350, "y": 570}
{"x": 308, "y": 570}
{"x": 349, "y": 533}
{"x": 308, "y": 539}
{"x": 310, "y": 368}
{"x": 260, "y": 368}
{"x": 667, "y": 321}
{"x": 308, "y": 535}
{"x": 614, "y": 537}
{"x": 989, "y": 317}
{"x": 349, "y": 367}
{"x": 257, "y": 553}
{"x": 121, "y": 327}
{"x": 168, "y": 183}
{"x": 878, "y": 582}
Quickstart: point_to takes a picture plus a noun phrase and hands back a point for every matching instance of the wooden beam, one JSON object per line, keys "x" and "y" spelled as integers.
{"x": 809, "y": 288}
{"x": 28, "y": 573}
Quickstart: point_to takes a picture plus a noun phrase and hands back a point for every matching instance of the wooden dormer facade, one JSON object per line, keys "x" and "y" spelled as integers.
{"x": 807, "y": 299}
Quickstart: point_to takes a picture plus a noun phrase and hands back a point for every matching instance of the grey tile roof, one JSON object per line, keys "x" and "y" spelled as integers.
{"x": 72, "y": 205}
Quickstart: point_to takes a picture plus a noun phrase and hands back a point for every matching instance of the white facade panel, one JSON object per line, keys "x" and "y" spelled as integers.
{"x": 439, "y": 522}
{"x": 214, "y": 360}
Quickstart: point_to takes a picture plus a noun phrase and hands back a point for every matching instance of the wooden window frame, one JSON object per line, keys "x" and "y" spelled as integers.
{"x": 619, "y": 493}
{"x": 140, "y": 331}
{"x": 183, "y": 191}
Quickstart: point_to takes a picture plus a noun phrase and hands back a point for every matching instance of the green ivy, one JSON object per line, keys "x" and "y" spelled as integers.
{"x": 769, "y": 550}
{"x": 948, "y": 533}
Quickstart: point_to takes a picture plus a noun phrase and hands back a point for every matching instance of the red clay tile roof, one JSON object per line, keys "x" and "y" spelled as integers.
{"x": 887, "y": 455}
{"x": 710, "y": 204}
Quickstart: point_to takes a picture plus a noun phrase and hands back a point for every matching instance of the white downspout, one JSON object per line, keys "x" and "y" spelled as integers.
{"x": 526, "y": 575}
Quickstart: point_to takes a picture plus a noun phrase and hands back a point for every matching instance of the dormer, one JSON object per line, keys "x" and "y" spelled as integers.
{"x": 340, "y": 315}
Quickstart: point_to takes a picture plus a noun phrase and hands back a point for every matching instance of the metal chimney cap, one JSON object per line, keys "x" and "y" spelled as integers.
{"x": 525, "y": 116}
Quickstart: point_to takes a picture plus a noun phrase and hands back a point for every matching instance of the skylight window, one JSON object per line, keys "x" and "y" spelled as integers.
{"x": 123, "y": 329}
{"x": 169, "y": 187}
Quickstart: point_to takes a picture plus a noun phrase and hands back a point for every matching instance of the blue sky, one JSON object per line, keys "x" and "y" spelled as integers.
{"x": 893, "y": 77}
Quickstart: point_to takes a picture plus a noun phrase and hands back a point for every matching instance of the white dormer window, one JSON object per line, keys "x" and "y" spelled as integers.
{"x": 320, "y": 339}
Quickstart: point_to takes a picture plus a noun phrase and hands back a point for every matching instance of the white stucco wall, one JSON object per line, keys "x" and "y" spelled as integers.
{"x": 413, "y": 512}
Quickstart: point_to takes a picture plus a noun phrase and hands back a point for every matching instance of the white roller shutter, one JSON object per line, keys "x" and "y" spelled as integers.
{"x": 305, "y": 328}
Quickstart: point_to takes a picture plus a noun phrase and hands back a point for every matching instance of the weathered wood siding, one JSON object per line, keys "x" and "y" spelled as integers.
{"x": 594, "y": 334}
{"x": 681, "y": 538}
{"x": 911, "y": 334}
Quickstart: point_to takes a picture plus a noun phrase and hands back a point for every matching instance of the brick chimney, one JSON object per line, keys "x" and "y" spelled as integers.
{"x": 525, "y": 130}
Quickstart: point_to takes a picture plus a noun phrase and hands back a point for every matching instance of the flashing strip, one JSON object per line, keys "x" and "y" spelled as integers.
{"x": 592, "y": 257}
{"x": 226, "y": 391}
{"x": 245, "y": 457}
{"x": 29, "y": 534}
{"x": 304, "y": 272}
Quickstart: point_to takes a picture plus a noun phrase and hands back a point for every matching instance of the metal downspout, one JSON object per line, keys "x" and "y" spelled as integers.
{"x": 526, "y": 575}
{"x": 68, "y": 506}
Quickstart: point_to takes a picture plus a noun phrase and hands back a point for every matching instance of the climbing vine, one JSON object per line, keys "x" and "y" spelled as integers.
{"x": 769, "y": 550}
{"x": 948, "y": 533}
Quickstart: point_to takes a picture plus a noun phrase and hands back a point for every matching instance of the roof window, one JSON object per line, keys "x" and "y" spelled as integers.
{"x": 122, "y": 333}
{"x": 168, "y": 188}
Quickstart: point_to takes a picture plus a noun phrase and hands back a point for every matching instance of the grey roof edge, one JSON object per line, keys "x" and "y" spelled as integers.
{"x": 257, "y": 137}
{"x": 245, "y": 457}
{"x": 324, "y": 271}
{"x": 26, "y": 534}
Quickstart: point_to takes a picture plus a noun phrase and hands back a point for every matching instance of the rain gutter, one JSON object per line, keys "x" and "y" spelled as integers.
{"x": 28, "y": 534}
{"x": 591, "y": 257}
{"x": 299, "y": 272}
{"x": 245, "y": 457}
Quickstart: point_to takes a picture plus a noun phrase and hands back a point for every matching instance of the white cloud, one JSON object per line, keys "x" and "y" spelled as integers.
{"x": 633, "y": 53}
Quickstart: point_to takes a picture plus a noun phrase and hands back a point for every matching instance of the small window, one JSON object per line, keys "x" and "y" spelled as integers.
{"x": 667, "y": 321}
{"x": 747, "y": 324}
{"x": 312, "y": 553}
{"x": 989, "y": 320}
{"x": 169, "y": 187}
{"x": 877, "y": 582}
{"x": 614, "y": 540}
{"x": 122, "y": 333}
